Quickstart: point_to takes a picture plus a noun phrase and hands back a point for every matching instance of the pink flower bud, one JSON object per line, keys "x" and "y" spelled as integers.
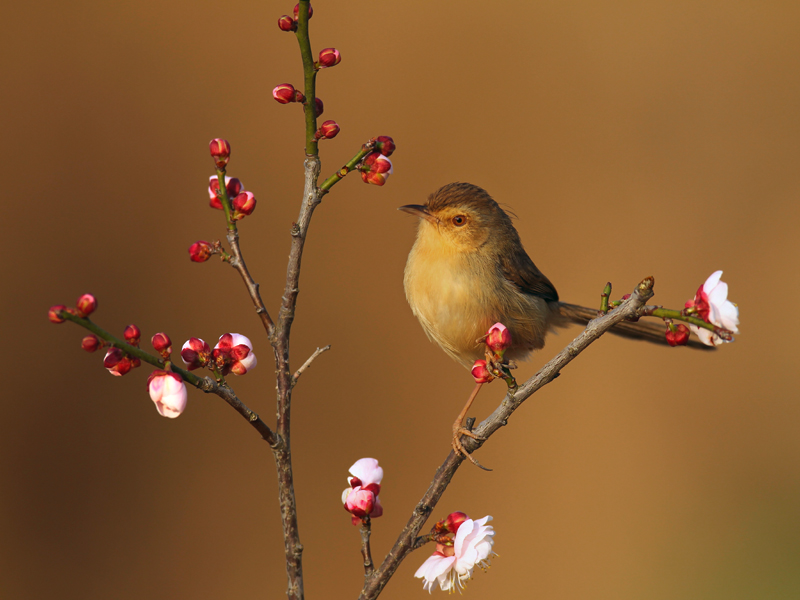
{"x": 329, "y": 57}
{"x": 195, "y": 353}
{"x": 385, "y": 145}
{"x": 86, "y": 305}
{"x": 132, "y": 334}
{"x": 232, "y": 185}
{"x": 168, "y": 392}
{"x": 287, "y": 23}
{"x": 679, "y": 337}
{"x": 116, "y": 362}
{"x": 498, "y": 338}
{"x": 480, "y": 372}
{"x": 329, "y": 130}
{"x": 243, "y": 205}
{"x": 161, "y": 343}
{"x": 285, "y": 93}
{"x": 200, "y": 251}
{"x": 234, "y": 354}
{"x": 54, "y": 314}
{"x": 220, "y": 151}
{"x": 376, "y": 168}
{"x": 360, "y": 502}
{"x": 90, "y": 343}
{"x": 297, "y": 11}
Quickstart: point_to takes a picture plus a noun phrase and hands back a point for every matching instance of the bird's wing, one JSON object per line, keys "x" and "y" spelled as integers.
{"x": 519, "y": 269}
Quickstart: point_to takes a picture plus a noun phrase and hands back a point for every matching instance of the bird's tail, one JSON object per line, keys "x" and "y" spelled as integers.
{"x": 640, "y": 330}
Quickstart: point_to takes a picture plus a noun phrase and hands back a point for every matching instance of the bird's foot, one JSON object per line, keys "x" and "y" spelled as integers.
{"x": 458, "y": 447}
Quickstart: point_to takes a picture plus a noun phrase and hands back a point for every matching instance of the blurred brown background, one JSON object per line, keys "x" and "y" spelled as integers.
{"x": 629, "y": 138}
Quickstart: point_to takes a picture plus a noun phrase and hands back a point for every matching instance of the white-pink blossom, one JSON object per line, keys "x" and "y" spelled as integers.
{"x": 236, "y": 352}
{"x": 451, "y": 566}
{"x": 168, "y": 392}
{"x": 712, "y": 305}
{"x": 361, "y": 498}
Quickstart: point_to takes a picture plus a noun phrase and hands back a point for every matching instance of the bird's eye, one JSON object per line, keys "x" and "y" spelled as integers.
{"x": 459, "y": 220}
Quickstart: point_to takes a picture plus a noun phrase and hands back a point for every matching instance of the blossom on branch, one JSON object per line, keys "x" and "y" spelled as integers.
{"x": 220, "y": 151}
{"x": 195, "y": 353}
{"x": 498, "y": 339}
{"x": 375, "y": 168}
{"x": 480, "y": 372}
{"x": 452, "y": 563}
{"x": 201, "y": 251}
{"x": 168, "y": 392}
{"x": 132, "y": 334}
{"x": 361, "y": 498}
{"x": 232, "y": 185}
{"x": 385, "y": 145}
{"x": 118, "y": 363}
{"x": 86, "y": 305}
{"x": 711, "y": 304}
{"x": 329, "y": 57}
{"x": 234, "y": 354}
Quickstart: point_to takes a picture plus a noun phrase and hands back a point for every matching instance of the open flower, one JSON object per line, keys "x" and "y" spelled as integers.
{"x": 361, "y": 498}
{"x": 712, "y": 305}
{"x": 451, "y": 565}
{"x": 234, "y": 354}
{"x": 168, "y": 392}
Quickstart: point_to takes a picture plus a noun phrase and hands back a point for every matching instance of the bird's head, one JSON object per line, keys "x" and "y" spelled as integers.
{"x": 461, "y": 217}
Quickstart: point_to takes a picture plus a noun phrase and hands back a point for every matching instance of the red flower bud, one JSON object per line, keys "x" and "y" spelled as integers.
{"x": 116, "y": 362}
{"x": 161, "y": 343}
{"x": 91, "y": 343}
{"x": 285, "y": 93}
{"x": 220, "y": 151}
{"x": 232, "y": 185}
{"x": 132, "y": 334}
{"x": 385, "y": 145}
{"x": 200, "y": 251}
{"x": 329, "y": 57}
{"x": 243, "y": 205}
{"x": 53, "y": 313}
{"x": 329, "y": 130}
{"x": 297, "y": 11}
{"x": 86, "y": 305}
{"x": 195, "y": 353}
{"x": 376, "y": 168}
{"x": 287, "y": 23}
{"x": 480, "y": 372}
{"x": 498, "y": 338}
{"x": 454, "y": 521}
{"x": 679, "y": 337}
{"x": 318, "y": 106}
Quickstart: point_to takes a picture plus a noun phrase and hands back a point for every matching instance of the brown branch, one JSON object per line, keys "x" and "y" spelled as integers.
{"x": 237, "y": 262}
{"x": 408, "y": 541}
{"x": 366, "y": 554}
{"x": 307, "y": 364}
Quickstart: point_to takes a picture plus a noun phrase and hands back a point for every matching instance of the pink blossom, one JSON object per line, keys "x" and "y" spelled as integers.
{"x": 168, "y": 392}
{"x": 234, "y": 354}
{"x": 361, "y": 498}
{"x": 712, "y": 305}
{"x": 451, "y": 566}
{"x": 376, "y": 168}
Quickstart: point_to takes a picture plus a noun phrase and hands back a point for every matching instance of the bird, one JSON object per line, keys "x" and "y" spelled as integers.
{"x": 468, "y": 270}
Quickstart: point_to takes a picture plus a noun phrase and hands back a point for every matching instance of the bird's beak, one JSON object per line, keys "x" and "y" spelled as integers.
{"x": 419, "y": 211}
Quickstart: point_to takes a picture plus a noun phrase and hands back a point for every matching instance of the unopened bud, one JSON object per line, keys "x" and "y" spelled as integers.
{"x": 318, "y": 106}
{"x": 116, "y": 362}
{"x": 454, "y": 521}
{"x": 161, "y": 343}
{"x": 376, "y": 169}
{"x": 385, "y": 145}
{"x": 243, "y": 205}
{"x": 285, "y": 93}
{"x": 297, "y": 11}
{"x": 329, "y": 57}
{"x": 90, "y": 343}
{"x": 328, "y": 130}
{"x": 54, "y": 314}
{"x": 220, "y": 151}
{"x": 480, "y": 373}
{"x": 232, "y": 185}
{"x": 498, "y": 338}
{"x": 132, "y": 334}
{"x": 200, "y": 251}
{"x": 679, "y": 336}
{"x": 86, "y": 305}
{"x": 287, "y": 23}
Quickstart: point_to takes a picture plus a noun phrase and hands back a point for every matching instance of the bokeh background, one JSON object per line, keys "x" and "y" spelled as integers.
{"x": 629, "y": 138}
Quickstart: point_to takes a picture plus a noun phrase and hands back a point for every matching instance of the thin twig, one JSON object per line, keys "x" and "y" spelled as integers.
{"x": 252, "y": 287}
{"x": 407, "y": 540}
{"x": 307, "y": 364}
{"x": 366, "y": 531}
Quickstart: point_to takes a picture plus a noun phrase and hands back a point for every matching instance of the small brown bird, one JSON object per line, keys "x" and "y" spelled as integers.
{"x": 468, "y": 270}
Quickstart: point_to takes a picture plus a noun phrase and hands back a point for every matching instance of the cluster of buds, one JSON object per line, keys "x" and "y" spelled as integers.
{"x": 376, "y": 166}
{"x": 232, "y": 354}
{"x": 85, "y": 306}
{"x": 242, "y": 201}
{"x": 497, "y": 340}
{"x": 287, "y": 23}
{"x": 711, "y": 304}
{"x": 461, "y": 545}
{"x": 361, "y": 498}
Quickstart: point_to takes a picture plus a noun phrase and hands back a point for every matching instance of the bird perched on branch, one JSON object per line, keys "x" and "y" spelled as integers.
{"x": 468, "y": 270}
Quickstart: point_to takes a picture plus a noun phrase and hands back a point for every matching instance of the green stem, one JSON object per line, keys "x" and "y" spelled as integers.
{"x": 351, "y": 164}
{"x": 310, "y": 77}
{"x": 225, "y": 200}
{"x": 604, "y": 298}
{"x": 666, "y": 313}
